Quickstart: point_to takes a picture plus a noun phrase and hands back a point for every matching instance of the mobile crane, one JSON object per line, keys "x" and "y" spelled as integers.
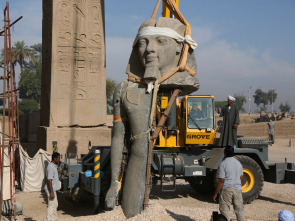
{"x": 185, "y": 148}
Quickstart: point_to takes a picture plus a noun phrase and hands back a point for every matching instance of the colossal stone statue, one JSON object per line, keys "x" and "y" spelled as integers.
{"x": 156, "y": 52}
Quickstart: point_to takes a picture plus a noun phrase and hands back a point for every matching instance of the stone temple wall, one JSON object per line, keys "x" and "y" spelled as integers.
{"x": 73, "y": 94}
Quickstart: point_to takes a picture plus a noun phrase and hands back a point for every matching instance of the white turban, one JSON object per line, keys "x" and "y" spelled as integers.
{"x": 231, "y": 98}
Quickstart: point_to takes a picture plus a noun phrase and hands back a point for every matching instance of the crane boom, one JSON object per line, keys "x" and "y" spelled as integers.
{"x": 165, "y": 11}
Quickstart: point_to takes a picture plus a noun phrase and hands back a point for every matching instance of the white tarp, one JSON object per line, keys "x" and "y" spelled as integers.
{"x": 6, "y": 169}
{"x": 6, "y": 174}
{"x": 33, "y": 170}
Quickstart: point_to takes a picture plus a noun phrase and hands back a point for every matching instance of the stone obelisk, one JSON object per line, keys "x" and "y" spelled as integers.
{"x": 73, "y": 94}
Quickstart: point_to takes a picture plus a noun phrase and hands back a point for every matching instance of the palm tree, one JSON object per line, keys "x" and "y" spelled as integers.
{"x": 36, "y": 50}
{"x": 20, "y": 52}
{"x": 14, "y": 62}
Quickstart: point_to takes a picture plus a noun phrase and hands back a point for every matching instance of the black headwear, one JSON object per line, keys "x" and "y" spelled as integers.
{"x": 229, "y": 151}
{"x": 55, "y": 155}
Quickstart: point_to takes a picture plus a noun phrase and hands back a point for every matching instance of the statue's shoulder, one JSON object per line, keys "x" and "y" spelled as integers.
{"x": 122, "y": 84}
{"x": 120, "y": 87}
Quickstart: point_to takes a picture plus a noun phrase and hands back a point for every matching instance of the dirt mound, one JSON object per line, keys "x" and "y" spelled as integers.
{"x": 285, "y": 128}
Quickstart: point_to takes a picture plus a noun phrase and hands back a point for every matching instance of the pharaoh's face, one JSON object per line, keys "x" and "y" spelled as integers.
{"x": 159, "y": 52}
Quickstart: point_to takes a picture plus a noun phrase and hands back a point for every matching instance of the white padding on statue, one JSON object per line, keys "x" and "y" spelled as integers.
{"x": 148, "y": 31}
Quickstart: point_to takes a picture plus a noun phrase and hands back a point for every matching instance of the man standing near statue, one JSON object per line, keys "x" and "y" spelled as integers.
{"x": 52, "y": 186}
{"x": 229, "y": 186}
{"x": 231, "y": 120}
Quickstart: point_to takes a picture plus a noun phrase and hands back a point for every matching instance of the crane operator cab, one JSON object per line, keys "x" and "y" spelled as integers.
{"x": 200, "y": 114}
{"x": 197, "y": 119}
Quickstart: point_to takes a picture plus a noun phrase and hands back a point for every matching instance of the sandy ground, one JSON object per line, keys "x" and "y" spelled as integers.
{"x": 184, "y": 203}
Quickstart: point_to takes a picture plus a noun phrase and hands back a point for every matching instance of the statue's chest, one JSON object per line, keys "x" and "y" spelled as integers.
{"x": 136, "y": 99}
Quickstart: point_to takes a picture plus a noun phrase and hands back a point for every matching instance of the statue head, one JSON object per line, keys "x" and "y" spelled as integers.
{"x": 157, "y": 51}
{"x": 159, "y": 54}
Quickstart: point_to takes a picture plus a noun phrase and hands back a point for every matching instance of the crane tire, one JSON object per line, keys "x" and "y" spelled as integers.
{"x": 253, "y": 178}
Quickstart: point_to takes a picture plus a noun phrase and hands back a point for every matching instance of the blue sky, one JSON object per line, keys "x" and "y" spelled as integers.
{"x": 241, "y": 43}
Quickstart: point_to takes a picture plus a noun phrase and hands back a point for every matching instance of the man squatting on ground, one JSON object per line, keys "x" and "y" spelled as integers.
{"x": 231, "y": 120}
{"x": 52, "y": 186}
{"x": 230, "y": 182}
{"x": 285, "y": 215}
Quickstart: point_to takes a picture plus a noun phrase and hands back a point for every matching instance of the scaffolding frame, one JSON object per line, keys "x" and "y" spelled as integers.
{"x": 9, "y": 141}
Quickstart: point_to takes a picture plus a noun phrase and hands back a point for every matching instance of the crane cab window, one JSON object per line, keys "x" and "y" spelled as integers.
{"x": 200, "y": 112}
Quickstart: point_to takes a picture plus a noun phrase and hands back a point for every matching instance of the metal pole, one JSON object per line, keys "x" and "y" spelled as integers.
{"x": 6, "y": 35}
{"x": 10, "y": 140}
{"x": 12, "y": 117}
{"x": 3, "y": 118}
{"x": 249, "y": 99}
{"x": 271, "y": 101}
{"x": 96, "y": 176}
{"x": 155, "y": 135}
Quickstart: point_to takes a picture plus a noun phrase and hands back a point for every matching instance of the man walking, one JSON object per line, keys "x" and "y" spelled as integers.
{"x": 230, "y": 182}
{"x": 271, "y": 132}
{"x": 231, "y": 121}
{"x": 52, "y": 186}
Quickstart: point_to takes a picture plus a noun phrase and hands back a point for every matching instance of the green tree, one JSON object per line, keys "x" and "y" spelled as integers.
{"x": 272, "y": 96}
{"x": 261, "y": 97}
{"x": 264, "y": 98}
{"x": 35, "y": 54}
{"x": 220, "y": 104}
{"x": 14, "y": 62}
{"x": 110, "y": 87}
{"x": 285, "y": 108}
{"x": 36, "y": 50}
{"x": 28, "y": 105}
{"x": 240, "y": 101}
{"x": 30, "y": 81}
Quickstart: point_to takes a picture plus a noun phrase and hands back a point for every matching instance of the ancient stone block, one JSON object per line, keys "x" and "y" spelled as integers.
{"x": 73, "y": 141}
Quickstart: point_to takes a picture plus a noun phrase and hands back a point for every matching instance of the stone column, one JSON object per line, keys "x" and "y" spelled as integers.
{"x": 73, "y": 94}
